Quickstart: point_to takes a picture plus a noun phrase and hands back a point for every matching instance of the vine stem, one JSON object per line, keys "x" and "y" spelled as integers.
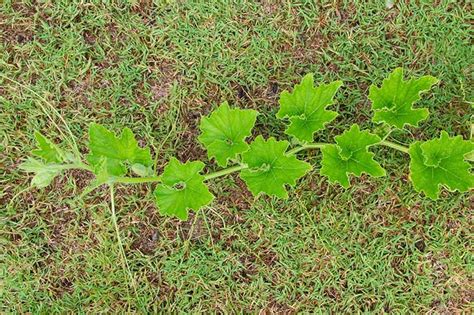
{"x": 81, "y": 166}
{"x": 232, "y": 169}
{"x": 136, "y": 180}
{"x": 119, "y": 239}
{"x": 306, "y": 146}
{"x": 225, "y": 171}
{"x": 395, "y": 146}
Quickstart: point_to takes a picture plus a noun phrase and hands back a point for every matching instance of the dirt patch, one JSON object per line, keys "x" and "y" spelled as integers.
{"x": 145, "y": 9}
{"x": 165, "y": 290}
{"x": 270, "y": 7}
{"x": 309, "y": 46}
{"x": 464, "y": 295}
{"x": 61, "y": 286}
{"x": 160, "y": 90}
{"x": 82, "y": 178}
{"x": 249, "y": 269}
{"x": 111, "y": 60}
{"x": 166, "y": 75}
{"x": 238, "y": 196}
{"x": 115, "y": 32}
{"x": 189, "y": 149}
{"x": 268, "y": 256}
{"x": 332, "y": 293}
{"x": 439, "y": 269}
{"x": 193, "y": 229}
{"x": 146, "y": 241}
{"x": 23, "y": 31}
{"x": 259, "y": 97}
{"x": 250, "y": 261}
{"x": 62, "y": 216}
{"x": 89, "y": 37}
{"x": 12, "y": 35}
{"x": 79, "y": 91}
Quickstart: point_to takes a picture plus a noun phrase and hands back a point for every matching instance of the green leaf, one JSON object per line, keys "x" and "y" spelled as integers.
{"x": 182, "y": 188}
{"x": 117, "y": 150}
{"x": 270, "y": 169}
{"x": 114, "y": 167}
{"x": 306, "y": 107}
{"x": 142, "y": 170}
{"x": 44, "y": 172}
{"x": 393, "y": 101}
{"x": 47, "y": 150}
{"x": 101, "y": 172}
{"x": 350, "y": 156}
{"x": 470, "y": 157}
{"x": 439, "y": 162}
{"x": 223, "y": 133}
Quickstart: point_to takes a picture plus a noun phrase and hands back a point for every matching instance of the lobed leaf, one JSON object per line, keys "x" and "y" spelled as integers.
{"x": 223, "y": 133}
{"x": 117, "y": 150}
{"x": 306, "y": 107}
{"x": 49, "y": 166}
{"x": 393, "y": 101}
{"x": 441, "y": 162}
{"x": 270, "y": 169}
{"x": 101, "y": 172}
{"x": 47, "y": 150}
{"x": 44, "y": 172}
{"x": 142, "y": 170}
{"x": 182, "y": 188}
{"x": 350, "y": 156}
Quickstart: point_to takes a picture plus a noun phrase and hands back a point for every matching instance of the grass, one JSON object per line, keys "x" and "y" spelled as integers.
{"x": 157, "y": 67}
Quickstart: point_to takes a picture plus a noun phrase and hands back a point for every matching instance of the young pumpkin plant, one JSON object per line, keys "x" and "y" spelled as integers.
{"x": 270, "y": 166}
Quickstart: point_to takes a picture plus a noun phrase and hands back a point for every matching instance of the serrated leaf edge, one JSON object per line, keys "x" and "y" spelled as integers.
{"x": 207, "y": 118}
{"x": 440, "y": 185}
{"x": 386, "y": 109}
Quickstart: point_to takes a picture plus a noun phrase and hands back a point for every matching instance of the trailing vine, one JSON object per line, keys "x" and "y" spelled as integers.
{"x": 268, "y": 166}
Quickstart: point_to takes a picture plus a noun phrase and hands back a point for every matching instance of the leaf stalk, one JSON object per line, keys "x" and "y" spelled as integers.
{"x": 136, "y": 180}
{"x": 226, "y": 171}
{"x": 306, "y": 146}
{"x": 395, "y": 146}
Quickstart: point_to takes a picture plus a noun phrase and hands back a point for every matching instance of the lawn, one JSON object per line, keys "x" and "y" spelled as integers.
{"x": 157, "y": 67}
